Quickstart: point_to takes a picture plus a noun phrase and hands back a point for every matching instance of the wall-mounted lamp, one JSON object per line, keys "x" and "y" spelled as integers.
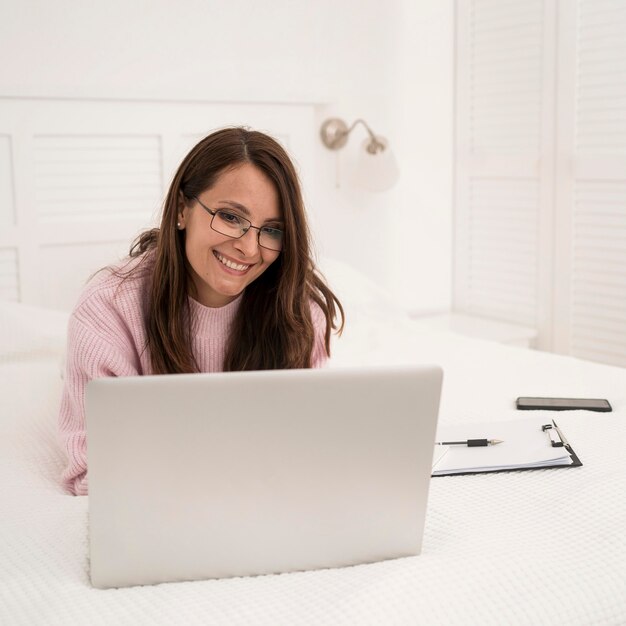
{"x": 376, "y": 169}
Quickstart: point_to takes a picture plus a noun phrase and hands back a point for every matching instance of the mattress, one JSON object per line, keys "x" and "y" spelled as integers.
{"x": 532, "y": 547}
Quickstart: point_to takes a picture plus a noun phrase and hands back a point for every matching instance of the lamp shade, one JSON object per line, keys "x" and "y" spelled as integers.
{"x": 376, "y": 171}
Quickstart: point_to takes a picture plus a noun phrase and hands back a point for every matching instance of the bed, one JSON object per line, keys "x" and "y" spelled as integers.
{"x": 532, "y": 547}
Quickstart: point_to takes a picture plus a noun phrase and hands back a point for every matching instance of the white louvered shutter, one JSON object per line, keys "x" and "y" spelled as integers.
{"x": 9, "y": 286}
{"x": 504, "y": 161}
{"x": 540, "y": 211}
{"x": 591, "y": 191}
{"x": 89, "y": 178}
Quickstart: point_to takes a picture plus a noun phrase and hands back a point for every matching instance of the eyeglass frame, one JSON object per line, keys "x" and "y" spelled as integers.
{"x": 213, "y": 213}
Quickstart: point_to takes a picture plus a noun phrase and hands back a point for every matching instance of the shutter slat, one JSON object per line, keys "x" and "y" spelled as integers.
{"x": 504, "y": 112}
{"x": 598, "y": 286}
{"x": 96, "y": 178}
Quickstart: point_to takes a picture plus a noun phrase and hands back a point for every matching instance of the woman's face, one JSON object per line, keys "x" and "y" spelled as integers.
{"x": 222, "y": 267}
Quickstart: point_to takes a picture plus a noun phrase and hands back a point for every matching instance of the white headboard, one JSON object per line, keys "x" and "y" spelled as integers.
{"x": 79, "y": 179}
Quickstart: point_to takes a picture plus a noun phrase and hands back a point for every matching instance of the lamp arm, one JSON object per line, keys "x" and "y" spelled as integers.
{"x": 379, "y": 173}
{"x": 334, "y": 134}
{"x": 374, "y": 145}
{"x": 367, "y": 128}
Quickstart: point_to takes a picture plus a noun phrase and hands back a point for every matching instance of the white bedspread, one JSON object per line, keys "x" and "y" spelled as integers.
{"x": 533, "y": 547}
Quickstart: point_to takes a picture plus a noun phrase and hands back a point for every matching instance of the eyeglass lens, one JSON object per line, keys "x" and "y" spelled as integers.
{"x": 235, "y": 226}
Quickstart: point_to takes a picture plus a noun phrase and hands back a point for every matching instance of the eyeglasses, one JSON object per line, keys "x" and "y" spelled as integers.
{"x": 235, "y": 226}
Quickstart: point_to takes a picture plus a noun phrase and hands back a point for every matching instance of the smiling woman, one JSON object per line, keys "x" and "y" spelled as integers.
{"x": 227, "y": 283}
{"x": 224, "y": 250}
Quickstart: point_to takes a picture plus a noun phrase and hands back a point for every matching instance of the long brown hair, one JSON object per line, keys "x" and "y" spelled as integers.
{"x": 273, "y": 328}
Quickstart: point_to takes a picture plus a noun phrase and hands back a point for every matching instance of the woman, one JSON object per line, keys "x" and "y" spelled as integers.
{"x": 226, "y": 283}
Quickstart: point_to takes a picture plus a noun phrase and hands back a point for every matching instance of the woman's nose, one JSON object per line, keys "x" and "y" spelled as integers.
{"x": 248, "y": 243}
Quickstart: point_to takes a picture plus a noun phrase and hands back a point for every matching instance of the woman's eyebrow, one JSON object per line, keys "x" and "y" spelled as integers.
{"x": 246, "y": 211}
{"x": 236, "y": 205}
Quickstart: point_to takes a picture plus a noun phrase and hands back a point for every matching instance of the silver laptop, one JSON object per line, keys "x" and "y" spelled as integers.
{"x": 233, "y": 474}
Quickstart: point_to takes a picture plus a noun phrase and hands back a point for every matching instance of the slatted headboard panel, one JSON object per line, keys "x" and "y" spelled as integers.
{"x": 80, "y": 179}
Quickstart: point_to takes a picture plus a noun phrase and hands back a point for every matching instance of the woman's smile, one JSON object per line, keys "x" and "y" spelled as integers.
{"x": 231, "y": 266}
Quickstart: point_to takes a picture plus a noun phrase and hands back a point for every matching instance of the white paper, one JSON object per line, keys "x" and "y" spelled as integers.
{"x": 524, "y": 445}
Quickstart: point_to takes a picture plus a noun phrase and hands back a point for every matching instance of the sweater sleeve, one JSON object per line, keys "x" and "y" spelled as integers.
{"x": 90, "y": 354}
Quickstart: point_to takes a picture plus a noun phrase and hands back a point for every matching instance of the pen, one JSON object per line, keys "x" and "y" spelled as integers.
{"x": 470, "y": 443}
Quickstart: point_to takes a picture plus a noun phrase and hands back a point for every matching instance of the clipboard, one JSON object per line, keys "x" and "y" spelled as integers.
{"x": 528, "y": 444}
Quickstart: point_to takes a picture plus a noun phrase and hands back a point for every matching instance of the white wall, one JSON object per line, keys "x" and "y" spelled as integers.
{"x": 390, "y": 62}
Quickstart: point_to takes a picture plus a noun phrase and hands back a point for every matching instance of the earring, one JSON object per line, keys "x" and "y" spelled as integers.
{"x": 179, "y": 226}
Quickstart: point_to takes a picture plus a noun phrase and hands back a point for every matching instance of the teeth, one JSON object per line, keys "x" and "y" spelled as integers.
{"x": 233, "y": 266}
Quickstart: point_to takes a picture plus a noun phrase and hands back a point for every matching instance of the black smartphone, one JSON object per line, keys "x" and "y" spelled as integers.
{"x": 563, "y": 404}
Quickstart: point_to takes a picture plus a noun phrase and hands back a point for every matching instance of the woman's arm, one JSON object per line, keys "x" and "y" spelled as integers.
{"x": 90, "y": 354}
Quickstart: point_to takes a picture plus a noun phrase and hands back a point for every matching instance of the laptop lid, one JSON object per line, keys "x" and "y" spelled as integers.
{"x": 216, "y": 475}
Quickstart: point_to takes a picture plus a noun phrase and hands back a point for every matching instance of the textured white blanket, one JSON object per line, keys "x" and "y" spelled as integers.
{"x": 534, "y": 547}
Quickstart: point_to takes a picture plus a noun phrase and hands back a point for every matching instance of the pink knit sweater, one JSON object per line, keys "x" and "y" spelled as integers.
{"x": 106, "y": 337}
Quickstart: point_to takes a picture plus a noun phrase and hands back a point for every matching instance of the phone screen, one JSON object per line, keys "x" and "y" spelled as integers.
{"x": 563, "y": 404}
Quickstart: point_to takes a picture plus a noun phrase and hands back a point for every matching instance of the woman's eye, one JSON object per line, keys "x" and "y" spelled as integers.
{"x": 229, "y": 218}
{"x": 274, "y": 233}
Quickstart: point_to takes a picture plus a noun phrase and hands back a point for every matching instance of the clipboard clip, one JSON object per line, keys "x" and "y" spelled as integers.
{"x": 553, "y": 435}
